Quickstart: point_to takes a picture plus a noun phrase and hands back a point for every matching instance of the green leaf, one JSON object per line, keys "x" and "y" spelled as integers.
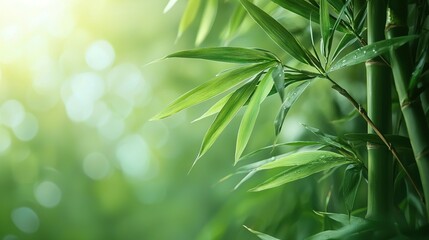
{"x": 251, "y": 113}
{"x": 170, "y": 5}
{"x": 370, "y": 51}
{"x": 325, "y": 26}
{"x": 272, "y": 147}
{"x": 279, "y": 81}
{"x": 321, "y": 162}
{"x": 278, "y": 33}
{"x": 235, "y": 22}
{"x": 261, "y": 236}
{"x": 234, "y": 103}
{"x": 417, "y": 73}
{"x": 290, "y": 99}
{"x": 306, "y": 10}
{"x": 347, "y": 40}
{"x": 396, "y": 140}
{"x": 207, "y": 21}
{"x": 303, "y": 158}
{"x": 215, "y": 108}
{"x": 227, "y": 54}
{"x": 212, "y": 88}
{"x": 330, "y": 140}
{"x": 188, "y": 16}
{"x": 350, "y": 186}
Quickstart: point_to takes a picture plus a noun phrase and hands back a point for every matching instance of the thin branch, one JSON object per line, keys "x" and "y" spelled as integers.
{"x": 365, "y": 116}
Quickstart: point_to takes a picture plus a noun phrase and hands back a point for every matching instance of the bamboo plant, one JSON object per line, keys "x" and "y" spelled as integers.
{"x": 391, "y": 40}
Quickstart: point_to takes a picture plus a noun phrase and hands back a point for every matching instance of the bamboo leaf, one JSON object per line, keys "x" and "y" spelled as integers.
{"x": 302, "y": 171}
{"x": 347, "y": 40}
{"x": 279, "y": 81}
{"x": 307, "y": 10}
{"x": 207, "y": 21}
{"x": 370, "y": 51}
{"x": 303, "y": 158}
{"x": 290, "y": 99}
{"x": 249, "y": 118}
{"x": 325, "y": 27}
{"x": 330, "y": 140}
{"x": 188, "y": 16}
{"x": 278, "y": 33}
{"x": 417, "y": 73}
{"x": 170, "y": 5}
{"x": 227, "y": 54}
{"x": 235, "y": 22}
{"x": 234, "y": 103}
{"x": 350, "y": 186}
{"x": 212, "y": 88}
{"x": 260, "y": 235}
{"x": 215, "y": 108}
{"x": 396, "y": 140}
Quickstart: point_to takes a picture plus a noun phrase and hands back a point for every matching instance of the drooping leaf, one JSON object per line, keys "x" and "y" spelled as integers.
{"x": 302, "y": 171}
{"x": 207, "y": 21}
{"x": 303, "y": 158}
{"x": 304, "y": 9}
{"x": 280, "y": 35}
{"x": 188, "y": 16}
{"x": 279, "y": 81}
{"x": 249, "y": 118}
{"x": 227, "y": 54}
{"x": 235, "y": 22}
{"x": 290, "y": 99}
{"x": 212, "y": 88}
{"x": 215, "y": 108}
{"x": 260, "y": 235}
{"x": 325, "y": 27}
{"x": 234, "y": 103}
{"x": 337, "y": 4}
{"x": 170, "y": 5}
{"x": 330, "y": 140}
{"x": 350, "y": 186}
{"x": 370, "y": 51}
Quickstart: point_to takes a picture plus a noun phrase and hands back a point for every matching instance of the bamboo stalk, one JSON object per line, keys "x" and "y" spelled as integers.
{"x": 412, "y": 110}
{"x": 380, "y": 164}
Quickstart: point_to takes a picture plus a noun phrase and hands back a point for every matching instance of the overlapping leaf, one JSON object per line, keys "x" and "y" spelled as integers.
{"x": 280, "y": 35}
{"x": 188, "y": 16}
{"x": 368, "y": 52}
{"x": 234, "y": 103}
{"x": 212, "y": 88}
{"x": 314, "y": 162}
{"x": 227, "y": 54}
{"x": 290, "y": 99}
{"x": 207, "y": 21}
{"x": 252, "y": 111}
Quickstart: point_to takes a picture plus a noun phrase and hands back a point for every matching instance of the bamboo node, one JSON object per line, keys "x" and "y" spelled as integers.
{"x": 422, "y": 154}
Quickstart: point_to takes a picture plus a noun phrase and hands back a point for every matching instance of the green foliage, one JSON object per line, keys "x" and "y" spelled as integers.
{"x": 341, "y": 26}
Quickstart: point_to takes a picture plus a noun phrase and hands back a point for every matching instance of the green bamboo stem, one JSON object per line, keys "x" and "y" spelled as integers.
{"x": 414, "y": 117}
{"x": 380, "y": 164}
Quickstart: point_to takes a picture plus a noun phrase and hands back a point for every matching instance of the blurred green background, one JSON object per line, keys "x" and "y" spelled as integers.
{"x": 79, "y": 158}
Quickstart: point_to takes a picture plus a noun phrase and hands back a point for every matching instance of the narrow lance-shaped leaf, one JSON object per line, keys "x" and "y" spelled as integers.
{"x": 207, "y": 21}
{"x": 419, "y": 69}
{"x": 279, "y": 81}
{"x": 170, "y": 5}
{"x": 365, "y": 53}
{"x": 235, "y": 102}
{"x": 250, "y": 115}
{"x": 277, "y": 33}
{"x": 290, "y": 99}
{"x": 350, "y": 186}
{"x": 188, "y": 16}
{"x": 302, "y": 171}
{"x": 212, "y": 88}
{"x": 215, "y": 108}
{"x": 325, "y": 27}
{"x": 302, "y": 158}
{"x": 227, "y": 54}
{"x": 235, "y": 22}
{"x": 260, "y": 235}
{"x": 347, "y": 40}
